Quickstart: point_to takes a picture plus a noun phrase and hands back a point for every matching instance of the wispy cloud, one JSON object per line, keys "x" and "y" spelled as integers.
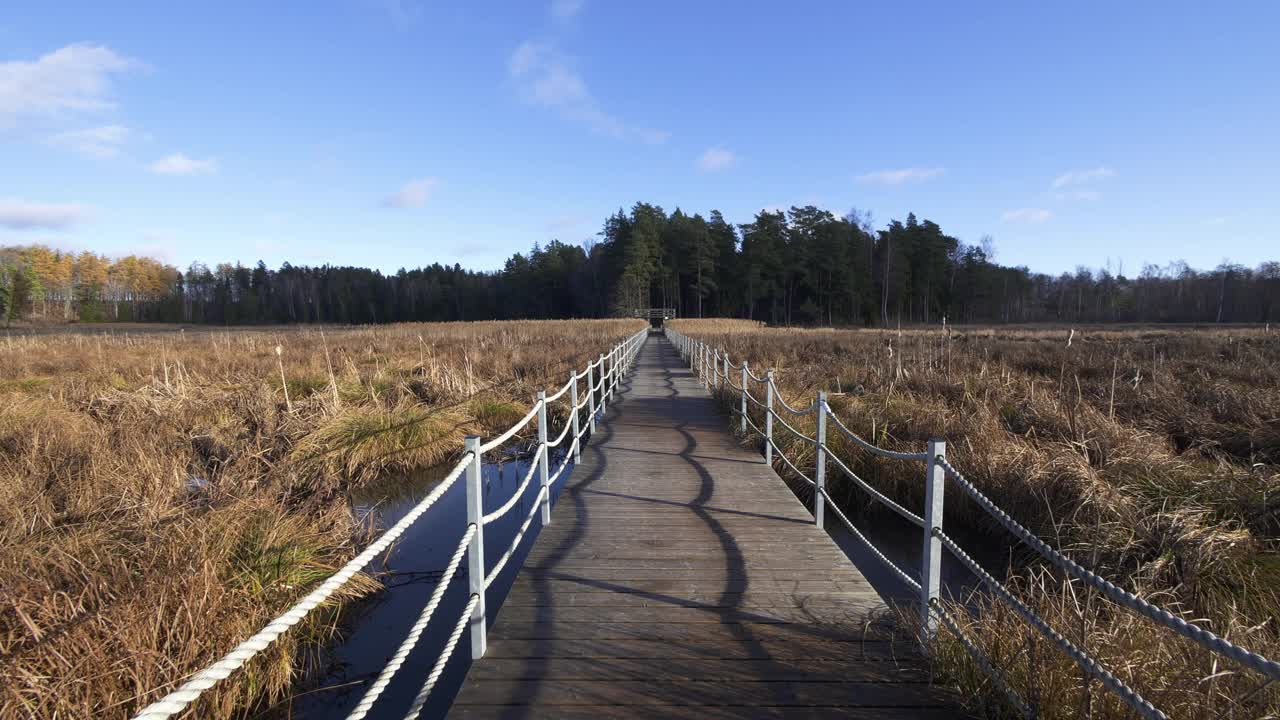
{"x": 565, "y": 10}
{"x": 75, "y": 78}
{"x": 1086, "y": 195}
{"x": 545, "y": 77}
{"x": 22, "y": 215}
{"x": 414, "y": 194}
{"x": 1031, "y": 216}
{"x": 103, "y": 142}
{"x": 900, "y": 176}
{"x": 180, "y": 164}
{"x": 403, "y": 13}
{"x": 1079, "y": 177}
{"x": 716, "y": 158}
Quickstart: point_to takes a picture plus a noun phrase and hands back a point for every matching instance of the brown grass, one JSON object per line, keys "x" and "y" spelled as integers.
{"x": 159, "y": 502}
{"x": 1151, "y": 455}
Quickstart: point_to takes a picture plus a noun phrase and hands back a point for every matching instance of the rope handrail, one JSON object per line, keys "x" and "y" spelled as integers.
{"x": 411, "y": 640}
{"x": 981, "y": 658}
{"x": 534, "y": 507}
{"x": 1082, "y": 658}
{"x": 790, "y": 464}
{"x": 519, "y": 491}
{"x": 794, "y": 431}
{"x": 911, "y": 582}
{"x": 1123, "y": 597}
{"x": 880, "y": 497}
{"x": 510, "y": 433}
{"x": 560, "y": 393}
{"x": 180, "y": 699}
{"x": 436, "y": 670}
{"x": 564, "y": 463}
{"x": 777, "y": 395}
{"x": 875, "y": 449}
{"x": 937, "y": 470}
{"x": 563, "y": 432}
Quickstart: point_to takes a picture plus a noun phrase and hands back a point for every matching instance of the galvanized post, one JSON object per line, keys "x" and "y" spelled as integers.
{"x": 591, "y": 399}
{"x": 744, "y": 396}
{"x": 935, "y": 479}
{"x": 543, "y": 453}
{"x": 604, "y": 387}
{"x": 820, "y": 455}
{"x": 573, "y": 428}
{"x": 768, "y": 418}
{"x": 475, "y": 553}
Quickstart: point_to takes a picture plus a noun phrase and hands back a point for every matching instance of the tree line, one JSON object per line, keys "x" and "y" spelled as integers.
{"x": 801, "y": 266}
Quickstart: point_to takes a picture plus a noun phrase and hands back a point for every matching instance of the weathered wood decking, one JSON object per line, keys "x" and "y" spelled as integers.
{"x": 681, "y": 578}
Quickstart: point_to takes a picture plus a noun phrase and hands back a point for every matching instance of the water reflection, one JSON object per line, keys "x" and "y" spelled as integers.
{"x": 411, "y": 571}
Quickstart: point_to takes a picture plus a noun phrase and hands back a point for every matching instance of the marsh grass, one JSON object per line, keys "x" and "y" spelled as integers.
{"x": 160, "y": 501}
{"x": 1151, "y": 455}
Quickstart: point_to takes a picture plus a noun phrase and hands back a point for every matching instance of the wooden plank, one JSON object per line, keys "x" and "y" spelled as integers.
{"x": 649, "y": 645}
{"x": 680, "y": 575}
{"x": 657, "y": 693}
{"x": 706, "y": 669}
{"x": 696, "y": 712}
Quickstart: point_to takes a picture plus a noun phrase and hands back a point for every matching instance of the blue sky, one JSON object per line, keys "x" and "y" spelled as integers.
{"x": 392, "y": 133}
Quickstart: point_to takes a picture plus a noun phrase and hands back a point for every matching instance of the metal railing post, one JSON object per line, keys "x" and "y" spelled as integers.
{"x": 768, "y": 418}
{"x": 591, "y": 399}
{"x": 543, "y": 455}
{"x": 820, "y": 454}
{"x": 935, "y": 480}
{"x": 475, "y": 553}
{"x": 604, "y": 386}
{"x": 744, "y": 396}
{"x": 573, "y": 400}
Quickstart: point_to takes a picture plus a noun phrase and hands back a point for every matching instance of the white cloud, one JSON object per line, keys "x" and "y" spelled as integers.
{"x": 1078, "y": 177}
{"x": 1026, "y": 215}
{"x": 547, "y": 78}
{"x": 899, "y": 177}
{"x": 1086, "y": 195}
{"x": 414, "y": 194}
{"x": 22, "y": 215}
{"x": 179, "y": 164}
{"x": 76, "y": 78}
{"x": 103, "y": 142}
{"x": 716, "y": 158}
{"x": 564, "y": 10}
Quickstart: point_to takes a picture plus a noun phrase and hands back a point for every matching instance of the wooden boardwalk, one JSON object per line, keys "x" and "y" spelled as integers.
{"x": 681, "y": 578}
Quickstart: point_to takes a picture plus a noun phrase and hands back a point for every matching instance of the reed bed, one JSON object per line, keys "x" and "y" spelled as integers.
{"x": 1150, "y": 455}
{"x": 164, "y": 494}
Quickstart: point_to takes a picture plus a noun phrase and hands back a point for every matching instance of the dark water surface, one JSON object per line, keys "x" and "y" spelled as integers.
{"x": 411, "y": 572}
{"x": 414, "y": 566}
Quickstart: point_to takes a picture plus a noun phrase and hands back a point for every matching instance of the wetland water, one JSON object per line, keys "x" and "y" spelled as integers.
{"x": 411, "y": 571}
{"x": 413, "y": 568}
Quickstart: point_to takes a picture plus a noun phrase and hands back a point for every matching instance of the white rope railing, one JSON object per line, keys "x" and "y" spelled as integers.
{"x": 436, "y": 670}
{"x": 519, "y": 492}
{"x": 873, "y": 449}
{"x": 559, "y": 439}
{"x": 937, "y": 471}
{"x": 781, "y": 401}
{"x": 1086, "y": 663}
{"x": 883, "y": 499}
{"x": 510, "y": 433}
{"x": 534, "y": 507}
{"x": 560, "y": 393}
{"x": 411, "y": 640}
{"x": 620, "y": 357}
{"x": 1199, "y": 635}
{"x": 178, "y": 700}
{"x": 778, "y": 419}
